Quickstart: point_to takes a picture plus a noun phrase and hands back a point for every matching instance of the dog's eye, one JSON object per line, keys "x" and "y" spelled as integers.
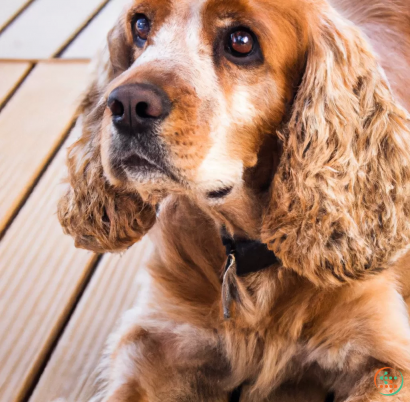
{"x": 241, "y": 43}
{"x": 241, "y": 47}
{"x": 141, "y": 28}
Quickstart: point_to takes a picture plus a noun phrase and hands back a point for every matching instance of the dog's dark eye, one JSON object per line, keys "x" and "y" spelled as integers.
{"x": 141, "y": 28}
{"x": 242, "y": 47}
{"x": 241, "y": 43}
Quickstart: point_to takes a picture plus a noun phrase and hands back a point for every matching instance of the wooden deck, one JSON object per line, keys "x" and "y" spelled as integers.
{"x": 57, "y": 303}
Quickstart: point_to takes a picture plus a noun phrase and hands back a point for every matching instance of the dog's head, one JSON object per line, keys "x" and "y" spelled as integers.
{"x": 273, "y": 114}
{"x": 197, "y": 87}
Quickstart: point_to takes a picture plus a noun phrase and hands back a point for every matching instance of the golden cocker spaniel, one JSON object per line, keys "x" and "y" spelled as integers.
{"x": 266, "y": 148}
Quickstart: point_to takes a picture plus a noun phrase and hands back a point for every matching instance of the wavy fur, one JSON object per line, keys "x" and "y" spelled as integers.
{"x": 341, "y": 196}
{"x": 100, "y": 216}
{"x": 325, "y": 182}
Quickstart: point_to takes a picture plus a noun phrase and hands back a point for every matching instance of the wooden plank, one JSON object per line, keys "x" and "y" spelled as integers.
{"x": 41, "y": 276}
{"x": 46, "y": 27}
{"x": 94, "y": 35}
{"x": 10, "y": 9}
{"x": 70, "y": 375}
{"x": 11, "y": 76}
{"x": 32, "y": 125}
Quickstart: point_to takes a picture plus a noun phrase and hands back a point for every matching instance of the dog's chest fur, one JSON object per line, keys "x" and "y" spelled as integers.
{"x": 280, "y": 321}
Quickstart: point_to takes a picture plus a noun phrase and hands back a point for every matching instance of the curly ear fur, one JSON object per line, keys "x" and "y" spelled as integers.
{"x": 99, "y": 216}
{"x": 119, "y": 48}
{"x": 341, "y": 197}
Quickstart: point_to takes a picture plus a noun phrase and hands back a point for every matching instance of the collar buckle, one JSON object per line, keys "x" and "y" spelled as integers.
{"x": 228, "y": 285}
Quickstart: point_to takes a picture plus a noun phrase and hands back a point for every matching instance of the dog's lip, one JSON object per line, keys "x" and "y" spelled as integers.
{"x": 142, "y": 163}
{"x": 139, "y": 161}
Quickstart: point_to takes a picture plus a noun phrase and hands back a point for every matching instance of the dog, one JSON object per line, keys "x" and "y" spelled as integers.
{"x": 266, "y": 149}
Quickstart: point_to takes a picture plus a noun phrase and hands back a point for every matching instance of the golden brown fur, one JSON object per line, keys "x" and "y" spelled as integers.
{"x": 345, "y": 165}
{"x": 318, "y": 162}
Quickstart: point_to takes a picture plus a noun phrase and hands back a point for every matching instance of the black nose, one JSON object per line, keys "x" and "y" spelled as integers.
{"x": 137, "y": 108}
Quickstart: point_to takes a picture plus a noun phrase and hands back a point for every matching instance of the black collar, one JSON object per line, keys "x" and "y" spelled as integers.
{"x": 250, "y": 256}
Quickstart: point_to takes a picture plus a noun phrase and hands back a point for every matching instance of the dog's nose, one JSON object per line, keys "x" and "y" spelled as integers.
{"x": 138, "y": 107}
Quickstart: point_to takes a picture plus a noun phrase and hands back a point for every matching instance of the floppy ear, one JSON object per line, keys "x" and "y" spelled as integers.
{"x": 340, "y": 199}
{"x": 119, "y": 47}
{"x": 99, "y": 216}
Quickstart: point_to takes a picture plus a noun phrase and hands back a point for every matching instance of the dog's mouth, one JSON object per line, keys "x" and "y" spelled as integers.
{"x": 138, "y": 162}
{"x": 141, "y": 166}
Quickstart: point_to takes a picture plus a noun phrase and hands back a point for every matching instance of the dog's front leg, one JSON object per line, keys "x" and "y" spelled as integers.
{"x": 165, "y": 363}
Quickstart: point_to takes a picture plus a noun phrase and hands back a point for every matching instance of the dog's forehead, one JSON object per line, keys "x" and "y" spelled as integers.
{"x": 178, "y": 43}
{"x": 183, "y": 32}
{"x": 184, "y": 11}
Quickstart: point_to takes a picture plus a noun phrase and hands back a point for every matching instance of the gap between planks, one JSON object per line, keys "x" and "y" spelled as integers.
{"x": 11, "y": 9}
{"x": 31, "y": 131}
{"x": 47, "y": 27}
{"x": 12, "y": 75}
{"x": 71, "y": 374}
{"x": 94, "y": 36}
{"x": 42, "y": 276}
{"x": 80, "y": 29}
